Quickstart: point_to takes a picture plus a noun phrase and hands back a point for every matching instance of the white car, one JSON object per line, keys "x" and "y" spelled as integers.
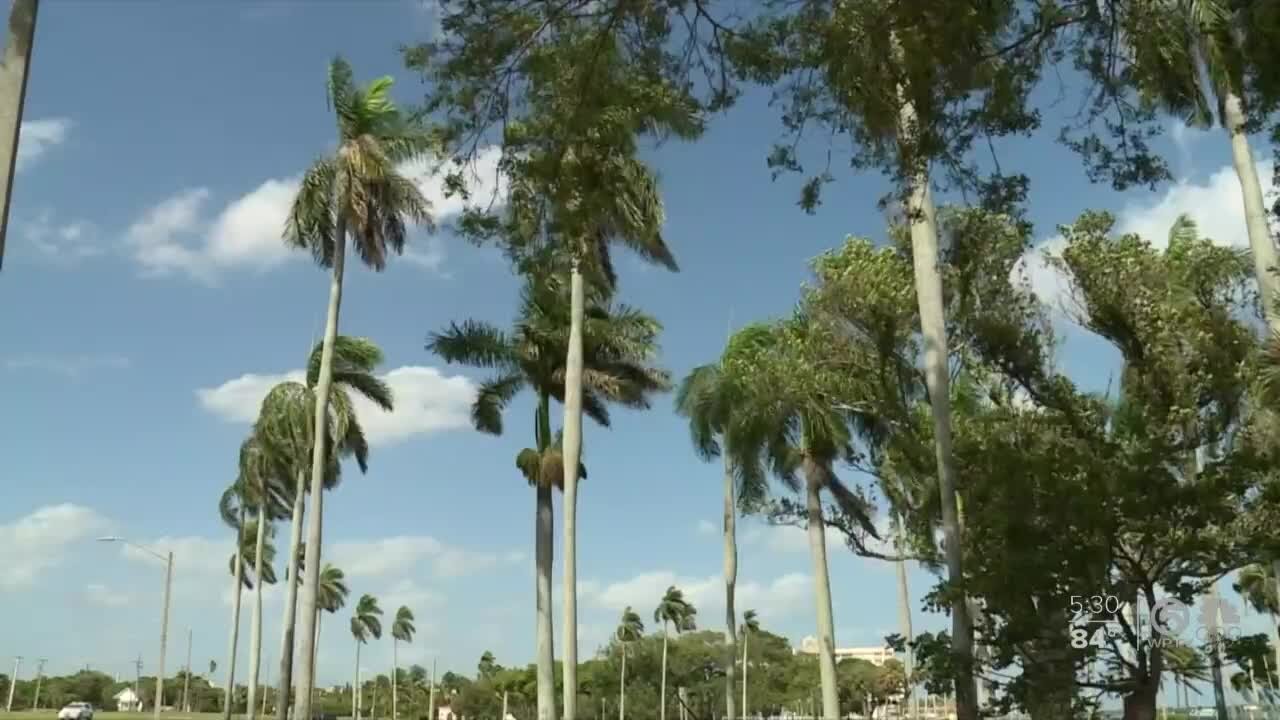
{"x": 76, "y": 711}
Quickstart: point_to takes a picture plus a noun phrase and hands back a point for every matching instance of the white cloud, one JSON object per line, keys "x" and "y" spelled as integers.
{"x": 395, "y": 556}
{"x": 1215, "y": 204}
{"x": 37, "y": 542}
{"x": 706, "y": 527}
{"x": 72, "y": 366}
{"x": 783, "y": 597}
{"x": 426, "y": 401}
{"x": 36, "y": 137}
{"x": 60, "y": 242}
{"x": 179, "y": 236}
{"x": 103, "y": 596}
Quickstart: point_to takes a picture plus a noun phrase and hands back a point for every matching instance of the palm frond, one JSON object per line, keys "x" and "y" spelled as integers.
{"x": 492, "y": 398}
{"x": 475, "y": 344}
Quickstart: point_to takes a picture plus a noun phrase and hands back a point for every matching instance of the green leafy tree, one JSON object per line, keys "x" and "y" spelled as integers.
{"x": 265, "y": 479}
{"x": 673, "y": 611}
{"x": 358, "y": 191}
{"x": 366, "y": 622}
{"x": 576, "y": 186}
{"x": 402, "y": 630}
{"x": 619, "y": 345}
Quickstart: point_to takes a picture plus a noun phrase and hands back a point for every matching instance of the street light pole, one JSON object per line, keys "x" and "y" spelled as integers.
{"x": 164, "y": 618}
{"x": 13, "y": 682}
{"x": 35, "y": 704}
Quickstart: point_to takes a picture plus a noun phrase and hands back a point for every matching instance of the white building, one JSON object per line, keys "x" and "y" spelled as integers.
{"x": 128, "y": 701}
{"x": 874, "y": 655}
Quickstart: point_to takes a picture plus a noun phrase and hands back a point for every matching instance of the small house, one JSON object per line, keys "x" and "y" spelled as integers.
{"x": 128, "y": 701}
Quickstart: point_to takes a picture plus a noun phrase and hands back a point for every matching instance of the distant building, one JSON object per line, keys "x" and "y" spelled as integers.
{"x": 127, "y": 701}
{"x": 874, "y": 655}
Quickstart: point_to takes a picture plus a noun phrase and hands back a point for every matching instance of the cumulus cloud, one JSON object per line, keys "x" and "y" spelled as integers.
{"x": 37, "y": 137}
{"x": 783, "y": 597}
{"x": 426, "y": 401}
{"x": 39, "y": 541}
{"x": 1215, "y": 205}
{"x": 393, "y": 556}
{"x": 181, "y": 235}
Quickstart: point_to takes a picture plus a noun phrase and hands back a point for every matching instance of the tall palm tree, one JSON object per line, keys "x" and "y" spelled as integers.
{"x": 366, "y": 622}
{"x": 331, "y": 596}
{"x": 232, "y": 509}
{"x": 707, "y": 398}
{"x": 675, "y": 611}
{"x": 630, "y": 629}
{"x": 402, "y": 630}
{"x": 750, "y": 626}
{"x": 14, "y": 68}
{"x": 284, "y": 427}
{"x": 264, "y": 484}
{"x": 619, "y": 346}
{"x": 788, "y": 420}
{"x": 358, "y": 191}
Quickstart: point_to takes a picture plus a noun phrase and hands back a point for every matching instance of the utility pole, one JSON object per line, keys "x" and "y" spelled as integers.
{"x": 186, "y": 681}
{"x": 35, "y": 704}
{"x": 137, "y": 680}
{"x": 13, "y": 682}
{"x": 164, "y": 635}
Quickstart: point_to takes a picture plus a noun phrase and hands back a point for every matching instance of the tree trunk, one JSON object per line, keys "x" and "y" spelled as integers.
{"x": 395, "y": 666}
{"x": 1141, "y": 703}
{"x": 933, "y": 329}
{"x": 431, "y": 690}
{"x": 255, "y": 631}
{"x": 319, "y": 618}
{"x": 355, "y": 687}
{"x": 622, "y": 686}
{"x": 544, "y": 529}
{"x": 662, "y": 693}
{"x": 572, "y": 453}
{"x": 291, "y": 600}
{"x": 302, "y": 697}
{"x": 1215, "y": 658}
{"x": 14, "y": 70}
{"x": 730, "y": 581}
{"x": 821, "y": 592}
{"x": 904, "y": 614}
{"x": 238, "y": 579}
{"x": 746, "y": 637}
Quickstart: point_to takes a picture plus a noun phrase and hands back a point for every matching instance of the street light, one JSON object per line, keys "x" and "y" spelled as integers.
{"x": 164, "y": 619}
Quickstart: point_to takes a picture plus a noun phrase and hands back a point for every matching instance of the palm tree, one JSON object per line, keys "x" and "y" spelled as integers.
{"x": 630, "y": 629}
{"x": 14, "y": 68}
{"x": 750, "y": 626}
{"x": 284, "y": 426}
{"x": 707, "y": 398}
{"x": 619, "y": 346}
{"x": 787, "y": 419}
{"x": 365, "y": 622}
{"x": 263, "y": 483}
{"x": 672, "y": 610}
{"x": 331, "y": 596}
{"x": 231, "y": 507}
{"x": 402, "y": 630}
{"x": 357, "y": 191}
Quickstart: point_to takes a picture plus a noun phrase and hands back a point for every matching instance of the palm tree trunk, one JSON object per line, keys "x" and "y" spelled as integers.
{"x": 746, "y": 637}
{"x": 255, "y": 632}
{"x": 822, "y": 592}
{"x": 14, "y": 70}
{"x": 924, "y": 247}
{"x": 319, "y": 618}
{"x": 544, "y": 528}
{"x": 572, "y": 453}
{"x": 904, "y": 612}
{"x": 662, "y": 693}
{"x": 238, "y": 579}
{"x": 730, "y": 582}
{"x": 431, "y": 690}
{"x": 622, "y": 686}
{"x": 395, "y": 666}
{"x": 355, "y": 687}
{"x": 302, "y": 697}
{"x": 291, "y": 600}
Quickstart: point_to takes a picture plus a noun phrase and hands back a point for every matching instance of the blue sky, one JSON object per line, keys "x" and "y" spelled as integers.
{"x": 148, "y": 303}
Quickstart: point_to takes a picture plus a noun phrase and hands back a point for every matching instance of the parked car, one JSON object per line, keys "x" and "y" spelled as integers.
{"x": 76, "y": 711}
